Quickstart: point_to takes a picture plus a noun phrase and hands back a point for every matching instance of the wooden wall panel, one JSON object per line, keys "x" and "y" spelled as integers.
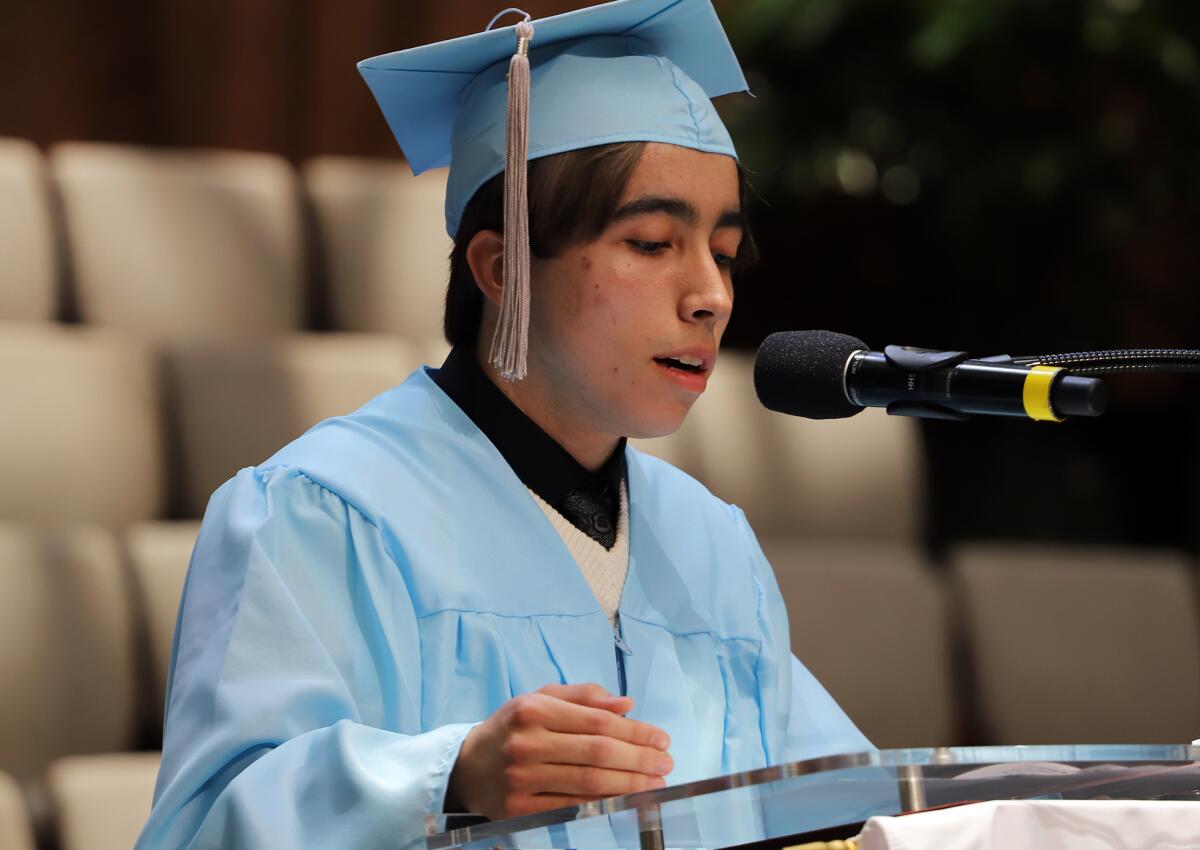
{"x": 272, "y": 75}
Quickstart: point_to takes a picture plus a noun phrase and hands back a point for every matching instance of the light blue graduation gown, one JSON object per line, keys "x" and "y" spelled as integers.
{"x": 361, "y": 599}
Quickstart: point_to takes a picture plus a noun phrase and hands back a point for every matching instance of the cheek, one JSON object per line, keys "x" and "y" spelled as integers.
{"x": 620, "y": 290}
{"x": 603, "y": 314}
{"x": 600, "y": 302}
{"x": 598, "y": 286}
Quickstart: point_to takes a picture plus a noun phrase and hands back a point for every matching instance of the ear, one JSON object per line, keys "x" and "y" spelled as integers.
{"x": 485, "y": 256}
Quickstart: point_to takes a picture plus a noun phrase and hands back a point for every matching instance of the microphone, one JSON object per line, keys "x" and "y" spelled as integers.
{"x": 827, "y": 375}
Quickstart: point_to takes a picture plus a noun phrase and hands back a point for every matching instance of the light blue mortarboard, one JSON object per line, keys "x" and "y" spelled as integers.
{"x": 629, "y": 70}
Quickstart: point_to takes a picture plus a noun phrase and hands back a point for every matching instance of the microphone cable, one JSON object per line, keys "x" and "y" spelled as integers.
{"x": 1165, "y": 360}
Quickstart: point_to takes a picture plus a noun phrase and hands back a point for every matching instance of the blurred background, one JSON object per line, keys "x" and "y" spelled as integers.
{"x": 210, "y": 242}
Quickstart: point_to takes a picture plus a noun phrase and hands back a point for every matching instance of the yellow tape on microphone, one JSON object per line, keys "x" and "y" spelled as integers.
{"x": 1036, "y": 393}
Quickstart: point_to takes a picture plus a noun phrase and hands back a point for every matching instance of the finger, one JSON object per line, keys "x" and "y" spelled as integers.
{"x": 587, "y": 781}
{"x": 566, "y": 717}
{"x": 537, "y": 803}
{"x": 591, "y": 695}
{"x": 604, "y": 752}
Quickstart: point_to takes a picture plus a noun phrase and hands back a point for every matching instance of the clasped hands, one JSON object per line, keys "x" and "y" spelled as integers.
{"x": 559, "y": 746}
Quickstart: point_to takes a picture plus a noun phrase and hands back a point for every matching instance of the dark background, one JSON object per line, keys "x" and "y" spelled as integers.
{"x": 1017, "y": 176}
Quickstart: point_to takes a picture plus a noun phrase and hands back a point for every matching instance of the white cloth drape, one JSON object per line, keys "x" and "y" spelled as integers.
{"x": 1075, "y": 824}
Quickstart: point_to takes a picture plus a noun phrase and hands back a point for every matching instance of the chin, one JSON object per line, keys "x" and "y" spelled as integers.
{"x": 661, "y": 421}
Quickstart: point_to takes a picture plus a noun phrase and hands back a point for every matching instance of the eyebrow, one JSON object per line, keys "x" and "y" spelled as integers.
{"x": 677, "y": 208}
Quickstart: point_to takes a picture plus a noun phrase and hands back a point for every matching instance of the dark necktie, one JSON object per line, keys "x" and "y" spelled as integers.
{"x": 593, "y": 513}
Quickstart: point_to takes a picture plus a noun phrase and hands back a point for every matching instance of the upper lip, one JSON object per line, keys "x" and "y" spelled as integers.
{"x": 706, "y": 356}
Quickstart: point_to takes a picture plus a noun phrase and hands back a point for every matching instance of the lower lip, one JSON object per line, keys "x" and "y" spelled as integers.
{"x": 691, "y": 381}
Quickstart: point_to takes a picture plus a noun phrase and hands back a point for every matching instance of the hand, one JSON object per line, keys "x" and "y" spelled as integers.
{"x": 559, "y": 746}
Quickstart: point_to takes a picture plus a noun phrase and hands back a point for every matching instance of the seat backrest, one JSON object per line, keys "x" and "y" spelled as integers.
{"x": 101, "y": 802}
{"x": 239, "y": 403}
{"x": 80, "y": 434}
{"x": 383, "y": 238}
{"x": 29, "y": 273}
{"x": 16, "y": 829}
{"x": 870, "y": 620}
{"x": 433, "y": 350}
{"x": 182, "y": 245}
{"x": 159, "y": 553}
{"x": 676, "y": 449}
{"x": 1081, "y": 645}
{"x": 66, "y": 647}
{"x": 859, "y": 477}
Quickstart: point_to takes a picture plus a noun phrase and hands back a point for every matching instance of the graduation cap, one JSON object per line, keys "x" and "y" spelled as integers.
{"x": 625, "y": 71}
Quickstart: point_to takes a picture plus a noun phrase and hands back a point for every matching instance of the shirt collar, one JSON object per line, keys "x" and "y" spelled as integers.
{"x": 539, "y": 461}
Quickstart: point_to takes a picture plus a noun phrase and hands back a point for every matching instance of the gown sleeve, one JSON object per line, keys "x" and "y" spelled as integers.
{"x": 293, "y": 700}
{"x": 801, "y": 719}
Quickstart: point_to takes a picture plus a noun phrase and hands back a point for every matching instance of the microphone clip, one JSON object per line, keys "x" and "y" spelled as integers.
{"x": 909, "y": 359}
{"x": 912, "y": 359}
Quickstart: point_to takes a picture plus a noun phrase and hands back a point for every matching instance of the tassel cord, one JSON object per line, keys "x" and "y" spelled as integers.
{"x": 510, "y": 342}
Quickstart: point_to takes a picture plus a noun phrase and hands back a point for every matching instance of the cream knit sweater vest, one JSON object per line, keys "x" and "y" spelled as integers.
{"x": 604, "y": 569}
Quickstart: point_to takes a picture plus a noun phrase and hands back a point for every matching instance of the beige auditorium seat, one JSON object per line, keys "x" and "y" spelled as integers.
{"x": 16, "y": 830}
{"x": 159, "y": 553}
{"x": 29, "y": 272}
{"x": 1081, "y": 645}
{"x": 858, "y": 477}
{"x": 182, "y": 245}
{"x": 870, "y": 620}
{"x": 80, "y": 432}
{"x": 66, "y": 647}
{"x": 433, "y": 349}
{"x": 238, "y": 404}
{"x": 102, "y": 802}
{"x": 383, "y": 239}
{"x": 676, "y": 449}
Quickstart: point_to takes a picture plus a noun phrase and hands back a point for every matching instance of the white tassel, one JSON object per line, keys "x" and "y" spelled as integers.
{"x": 510, "y": 342}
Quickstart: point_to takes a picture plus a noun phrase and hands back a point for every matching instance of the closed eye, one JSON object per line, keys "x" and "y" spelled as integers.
{"x": 724, "y": 260}
{"x": 647, "y": 247}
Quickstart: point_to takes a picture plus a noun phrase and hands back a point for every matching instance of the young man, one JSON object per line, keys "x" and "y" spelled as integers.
{"x": 471, "y": 594}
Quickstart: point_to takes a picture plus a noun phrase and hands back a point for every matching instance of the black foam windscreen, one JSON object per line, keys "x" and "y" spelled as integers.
{"x": 802, "y": 372}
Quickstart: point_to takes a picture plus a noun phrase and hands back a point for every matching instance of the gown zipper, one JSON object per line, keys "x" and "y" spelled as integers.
{"x": 621, "y": 649}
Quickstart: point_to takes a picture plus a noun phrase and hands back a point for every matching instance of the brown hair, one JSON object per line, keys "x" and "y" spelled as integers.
{"x": 572, "y": 198}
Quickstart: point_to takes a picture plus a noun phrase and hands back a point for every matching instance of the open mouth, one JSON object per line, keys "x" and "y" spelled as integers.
{"x": 694, "y": 365}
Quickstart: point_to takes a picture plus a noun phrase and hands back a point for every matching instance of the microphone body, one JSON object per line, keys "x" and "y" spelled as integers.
{"x": 972, "y": 386}
{"x": 823, "y": 375}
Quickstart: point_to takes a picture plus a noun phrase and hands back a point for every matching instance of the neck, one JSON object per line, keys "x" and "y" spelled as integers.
{"x": 590, "y": 448}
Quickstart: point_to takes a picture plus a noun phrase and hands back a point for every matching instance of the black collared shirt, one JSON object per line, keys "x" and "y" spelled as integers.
{"x": 590, "y": 500}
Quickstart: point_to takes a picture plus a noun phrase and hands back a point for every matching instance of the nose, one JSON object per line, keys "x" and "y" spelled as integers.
{"x": 708, "y": 293}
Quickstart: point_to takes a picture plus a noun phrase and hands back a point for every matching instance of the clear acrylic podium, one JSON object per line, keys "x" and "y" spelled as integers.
{"x": 830, "y": 797}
